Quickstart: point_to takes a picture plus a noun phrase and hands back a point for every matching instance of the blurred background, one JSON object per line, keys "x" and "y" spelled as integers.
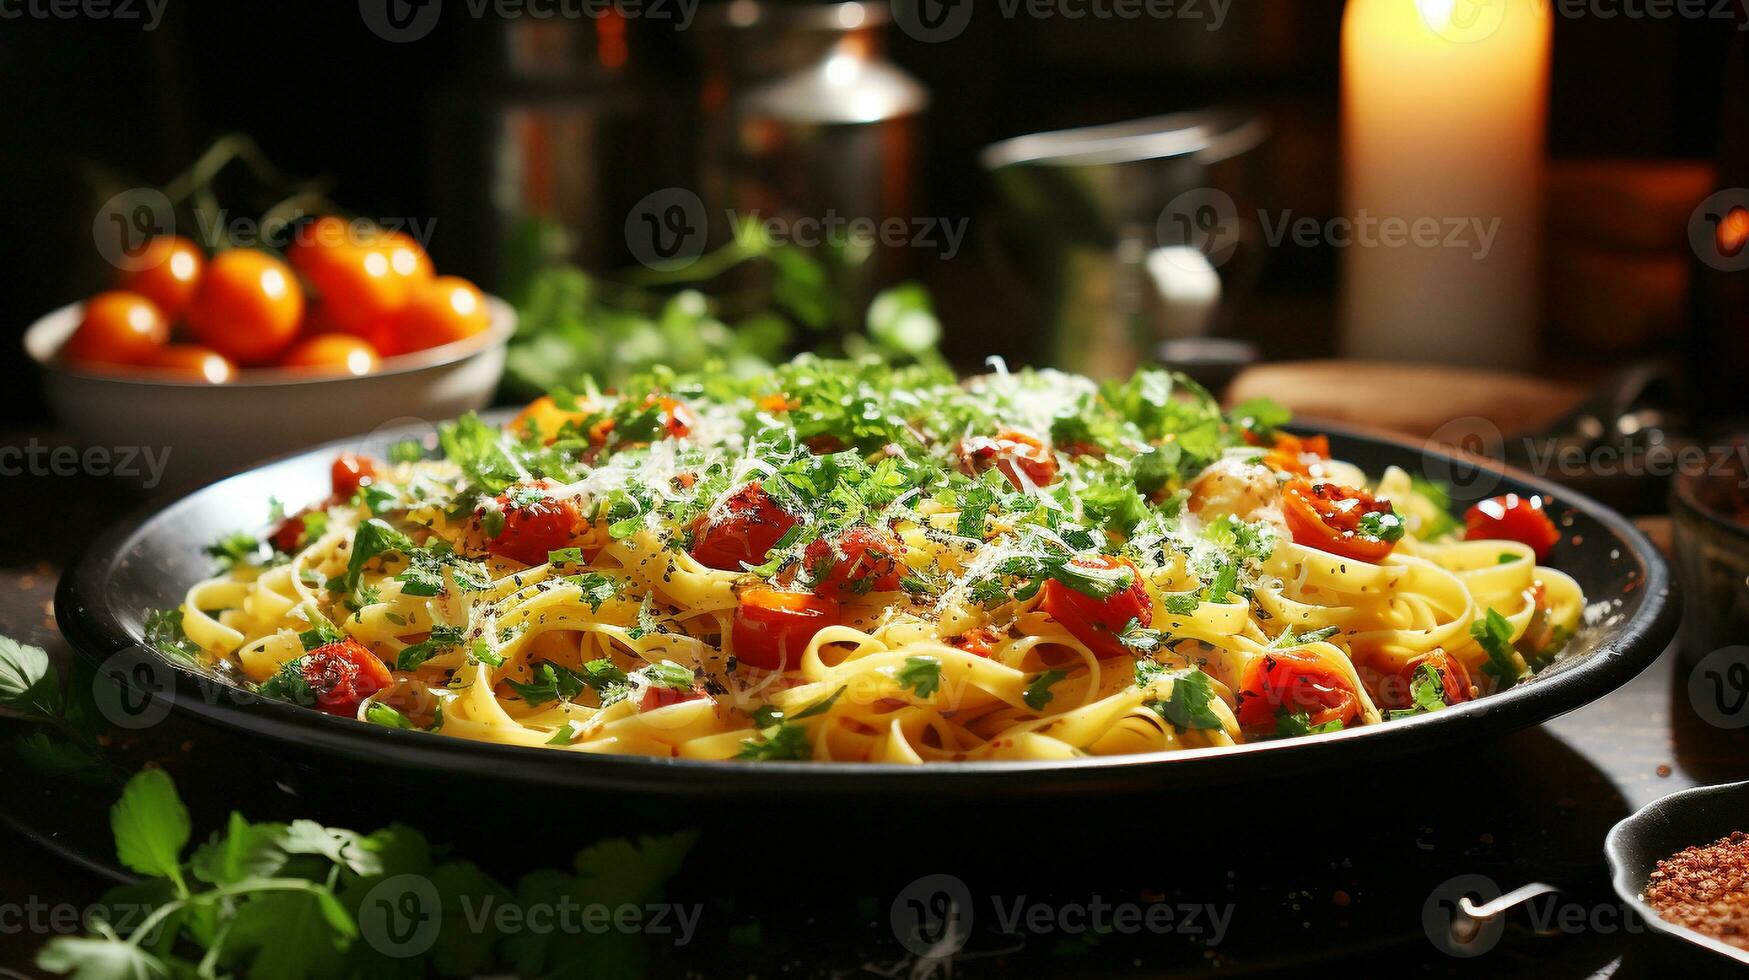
{"x": 1562, "y": 157}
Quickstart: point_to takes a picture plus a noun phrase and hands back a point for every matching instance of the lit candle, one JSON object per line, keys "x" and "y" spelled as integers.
{"x": 1444, "y": 108}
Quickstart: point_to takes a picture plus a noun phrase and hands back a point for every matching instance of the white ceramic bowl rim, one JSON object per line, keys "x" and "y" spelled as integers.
{"x": 44, "y": 339}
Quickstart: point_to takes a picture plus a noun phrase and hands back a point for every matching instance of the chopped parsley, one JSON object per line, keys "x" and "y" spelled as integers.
{"x": 922, "y": 675}
{"x": 1493, "y": 633}
{"x": 1038, "y": 693}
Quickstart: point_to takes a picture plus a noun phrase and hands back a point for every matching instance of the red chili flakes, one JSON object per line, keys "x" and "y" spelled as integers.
{"x": 1706, "y": 889}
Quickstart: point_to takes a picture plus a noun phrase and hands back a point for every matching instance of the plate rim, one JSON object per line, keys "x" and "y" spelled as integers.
{"x": 93, "y": 630}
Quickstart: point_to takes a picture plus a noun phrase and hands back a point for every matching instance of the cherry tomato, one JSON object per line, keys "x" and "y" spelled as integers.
{"x": 772, "y": 629}
{"x": 342, "y": 675}
{"x": 248, "y": 308}
{"x": 321, "y": 240}
{"x": 545, "y": 417}
{"x": 407, "y": 258}
{"x": 442, "y": 311}
{"x": 350, "y": 472}
{"x": 1294, "y": 454}
{"x": 337, "y": 353}
{"x": 980, "y": 642}
{"x": 1513, "y": 518}
{"x": 677, "y": 420}
{"x": 861, "y": 560}
{"x": 359, "y": 287}
{"x": 1454, "y": 677}
{"x": 169, "y": 274}
{"x": 1294, "y": 681}
{"x": 1099, "y": 622}
{"x": 1332, "y": 518}
{"x": 288, "y": 536}
{"x": 662, "y": 697}
{"x": 1014, "y": 453}
{"x": 194, "y": 362}
{"x": 534, "y": 529}
{"x": 751, "y": 524}
{"x": 117, "y": 328}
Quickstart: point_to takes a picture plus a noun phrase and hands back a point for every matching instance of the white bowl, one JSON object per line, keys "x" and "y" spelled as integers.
{"x": 180, "y": 431}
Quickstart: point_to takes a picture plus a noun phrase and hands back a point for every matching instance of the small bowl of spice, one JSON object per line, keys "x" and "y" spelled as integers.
{"x": 1683, "y": 864}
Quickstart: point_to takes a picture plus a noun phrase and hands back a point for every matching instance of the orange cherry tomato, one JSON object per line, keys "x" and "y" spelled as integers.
{"x": 337, "y": 353}
{"x": 118, "y": 328}
{"x": 739, "y": 533}
{"x": 350, "y": 472}
{"x": 1099, "y": 622}
{"x": 169, "y": 274}
{"x": 1513, "y": 518}
{"x": 359, "y": 287}
{"x": 1014, "y": 453}
{"x": 533, "y": 530}
{"x": 1294, "y": 454}
{"x": 195, "y": 362}
{"x": 443, "y": 311}
{"x": 1332, "y": 518}
{"x": 772, "y": 628}
{"x": 248, "y": 308}
{"x": 861, "y": 560}
{"x": 544, "y": 417}
{"x": 341, "y": 675}
{"x": 407, "y": 258}
{"x": 1395, "y": 691}
{"x": 1291, "y": 682}
{"x": 980, "y": 642}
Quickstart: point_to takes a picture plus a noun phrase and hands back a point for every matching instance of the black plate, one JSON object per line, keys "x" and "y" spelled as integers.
{"x": 147, "y": 562}
{"x": 1692, "y": 818}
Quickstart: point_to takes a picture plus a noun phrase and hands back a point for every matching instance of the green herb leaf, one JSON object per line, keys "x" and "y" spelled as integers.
{"x": 150, "y": 825}
{"x": 1038, "y": 693}
{"x": 921, "y": 674}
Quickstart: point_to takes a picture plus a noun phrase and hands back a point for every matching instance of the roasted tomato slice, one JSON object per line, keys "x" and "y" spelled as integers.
{"x": 861, "y": 560}
{"x": 1291, "y": 682}
{"x": 1294, "y": 454}
{"x": 1014, "y": 453}
{"x": 349, "y": 473}
{"x": 534, "y": 525}
{"x": 772, "y": 628}
{"x": 1513, "y": 518}
{"x": 980, "y": 642}
{"x": 1094, "y": 621}
{"x": 742, "y": 530}
{"x": 341, "y": 675}
{"x": 1395, "y": 690}
{"x": 1341, "y": 520}
{"x": 662, "y": 697}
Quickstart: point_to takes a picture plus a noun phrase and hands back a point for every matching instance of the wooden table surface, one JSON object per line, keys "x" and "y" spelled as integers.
{"x": 1333, "y": 869}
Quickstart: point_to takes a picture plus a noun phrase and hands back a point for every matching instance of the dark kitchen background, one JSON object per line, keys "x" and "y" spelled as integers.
{"x": 416, "y": 129}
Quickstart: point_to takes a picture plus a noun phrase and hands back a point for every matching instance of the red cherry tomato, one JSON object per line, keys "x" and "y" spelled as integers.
{"x": 350, "y": 472}
{"x": 1099, "y": 622}
{"x": 861, "y": 560}
{"x": 1330, "y": 517}
{"x": 117, "y": 328}
{"x": 662, "y": 697}
{"x": 1396, "y": 691}
{"x": 334, "y": 353}
{"x": 288, "y": 535}
{"x": 442, "y": 311}
{"x": 359, "y": 286}
{"x": 1290, "y": 682}
{"x": 980, "y": 642}
{"x": 677, "y": 420}
{"x": 407, "y": 258}
{"x": 750, "y": 524}
{"x": 772, "y": 629}
{"x": 248, "y": 308}
{"x": 169, "y": 274}
{"x": 533, "y": 530}
{"x": 194, "y": 362}
{"x": 342, "y": 675}
{"x": 1513, "y": 518}
{"x": 1014, "y": 453}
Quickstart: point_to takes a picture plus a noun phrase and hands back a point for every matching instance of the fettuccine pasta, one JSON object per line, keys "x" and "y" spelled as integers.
{"x": 842, "y": 561}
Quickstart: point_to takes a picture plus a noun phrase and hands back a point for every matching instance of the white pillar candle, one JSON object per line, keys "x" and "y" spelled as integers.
{"x": 1444, "y": 106}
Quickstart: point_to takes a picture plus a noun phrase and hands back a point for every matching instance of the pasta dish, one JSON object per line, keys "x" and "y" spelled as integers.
{"x": 846, "y": 561}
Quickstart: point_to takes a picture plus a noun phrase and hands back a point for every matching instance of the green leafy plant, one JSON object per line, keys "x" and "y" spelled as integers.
{"x": 294, "y": 900}
{"x": 66, "y": 721}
